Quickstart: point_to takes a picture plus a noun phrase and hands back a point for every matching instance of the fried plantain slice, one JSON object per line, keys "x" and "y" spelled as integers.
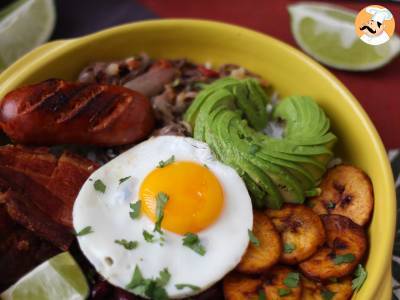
{"x": 337, "y": 290}
{"x": 280, "y": 283}
{"x": 262, "y": 257}
{"x": 347, "y": 191}
{"x": 301, "y": 230}
{"x": 345, "y": 247}
{"x": 241, "y": 287}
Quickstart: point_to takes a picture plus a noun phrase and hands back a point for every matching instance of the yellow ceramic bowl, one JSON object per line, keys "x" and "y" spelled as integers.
{"x": 290, "y": 72}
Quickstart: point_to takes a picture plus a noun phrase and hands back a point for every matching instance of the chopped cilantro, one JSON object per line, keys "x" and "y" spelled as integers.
{"x": 360, "y": 277}
{"x": 148, "y": 237}
{"x": 181, "y": 286}
{"x": 161, "y": 200}
{"x": 327, "y": 295}
{"x": 128, "y": 245}
{"x": 164, "y": 277}
{"x": 345, "y": 258}
{"x": 84, "y": 231}
{"x": 289, "y": 247}
{"x": 284, "y": 292}
{"x": 165, "y": 163}
{"x": 254, "y": 148}
{"x": 292, "y": 280}
{"x": 121, "y": 180}
{"x": 330, "y": 205}
{"x": 192, "y": 241}
{"x": 137, "y": 279}
{"x": 135, "y": 207}
{"x": 99, "y": 186}
{"x": 253, "y": 239}
{"x": 261, "y": 295}
{"x": 149, "y": 288}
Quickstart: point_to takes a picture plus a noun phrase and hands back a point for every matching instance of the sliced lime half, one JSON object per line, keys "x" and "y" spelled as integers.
{"x": 326, "y": 32}
{"x": 24, "y": 25}
{"x": 57, "y": 278}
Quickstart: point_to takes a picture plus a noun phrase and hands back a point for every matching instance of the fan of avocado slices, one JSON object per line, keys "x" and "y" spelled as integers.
{"x": 230, "y": 115}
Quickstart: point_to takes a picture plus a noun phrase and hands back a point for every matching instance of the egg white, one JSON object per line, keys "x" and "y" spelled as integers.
{"x": 108, "y": 214}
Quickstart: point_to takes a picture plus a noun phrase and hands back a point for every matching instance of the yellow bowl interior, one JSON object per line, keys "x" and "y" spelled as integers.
{"x": 290, "y": 72}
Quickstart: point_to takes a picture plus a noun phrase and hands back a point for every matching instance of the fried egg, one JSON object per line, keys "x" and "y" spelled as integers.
{"x": 202, "y": 196}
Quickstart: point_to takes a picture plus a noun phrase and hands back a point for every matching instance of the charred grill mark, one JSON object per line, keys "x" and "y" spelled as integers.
{"x": 108, "y": 117}
{"x": 58, "y": 100}
{"x": 104, "y": 106}
{"x": 79, "y": 102}
{"x": 47, "y": 89}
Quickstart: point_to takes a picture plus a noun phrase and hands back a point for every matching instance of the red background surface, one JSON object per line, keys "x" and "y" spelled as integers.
{"x": 378, "y": 91}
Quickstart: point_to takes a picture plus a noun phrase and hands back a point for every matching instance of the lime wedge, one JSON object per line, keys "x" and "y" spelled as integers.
{"x": 327, "y": 33}
{"x": 24, "y": 25}
{"x": 57, "y": 278}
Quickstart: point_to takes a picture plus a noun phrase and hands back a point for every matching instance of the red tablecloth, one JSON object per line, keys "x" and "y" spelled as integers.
{"x": 378, "y": 91}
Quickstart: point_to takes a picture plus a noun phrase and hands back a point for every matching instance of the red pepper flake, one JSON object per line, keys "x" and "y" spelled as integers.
{"x": 163, "y": 63}
{"x": 207, "y": 72}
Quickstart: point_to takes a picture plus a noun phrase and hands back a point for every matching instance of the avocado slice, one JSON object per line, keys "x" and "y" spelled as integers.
{"x": 289, "y": 187}
{"x": 272, "y": 198}
{"x": 229, "y": 115}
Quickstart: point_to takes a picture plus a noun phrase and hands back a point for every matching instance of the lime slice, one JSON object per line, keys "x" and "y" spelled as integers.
{"x": 57, "y": 278}
{"x": 24, "y": 25}
{"x": 327, "y": 33}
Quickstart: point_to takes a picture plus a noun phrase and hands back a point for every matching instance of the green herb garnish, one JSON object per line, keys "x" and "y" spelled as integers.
{"x": 253, "y": 239}
{"x": 181, "y": 286}
{"x": 284, "y": 292}
{"x": 360, "y": 277}
{"x": 161, "y": 200}
{"x": 128, "y": 245}
{"x": 345, "y": 258}
{"x": 135, "y": 207}
{"x": 148, "y": 237}
{"x": 289, "y": 247}
{"x": 150, "y": 288}
{"x": 99, "y": 186}
{"x": 327, "y": 294}
{"x": 121, "y": 180}
{"x": 192, "y": 241}
{"x": 164, "y": 277}
{"x": 165, "y": 163}
{"x": 261, "y": 295}
{"x": 330, "y": 205}
{"x": 254, "y": 148}
{"x": 292, "y": 280}
{"x": 84, "y": 231}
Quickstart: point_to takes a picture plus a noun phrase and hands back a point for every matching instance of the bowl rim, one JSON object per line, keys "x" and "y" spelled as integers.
{"x": 55, "y": 49}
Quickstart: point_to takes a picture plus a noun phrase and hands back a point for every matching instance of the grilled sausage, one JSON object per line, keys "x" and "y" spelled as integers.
{"x": 60, "y": 112}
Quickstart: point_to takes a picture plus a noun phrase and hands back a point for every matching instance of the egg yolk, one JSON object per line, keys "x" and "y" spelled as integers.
{"x": 195, "y": 195}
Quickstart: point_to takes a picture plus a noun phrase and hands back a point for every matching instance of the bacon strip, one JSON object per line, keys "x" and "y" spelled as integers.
{"x": 38, "y": 190}
{"x": 26, "y": 213}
